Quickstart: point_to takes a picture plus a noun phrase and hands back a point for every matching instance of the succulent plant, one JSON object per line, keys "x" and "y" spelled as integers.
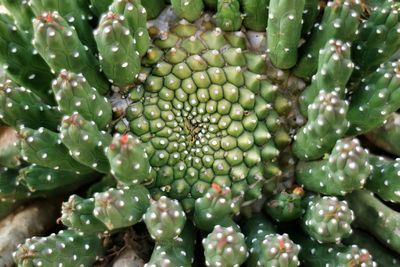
{"x": 196, "y": 117}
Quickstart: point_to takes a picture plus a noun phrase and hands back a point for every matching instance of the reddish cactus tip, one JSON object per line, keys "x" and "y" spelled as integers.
{"x": 217, "y": 188}
{"x": 298, "y": 190}
{"x": 124, "y": 139}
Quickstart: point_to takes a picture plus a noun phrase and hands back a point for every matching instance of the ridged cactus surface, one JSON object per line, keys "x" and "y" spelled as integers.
{"x": 231, "y": 132}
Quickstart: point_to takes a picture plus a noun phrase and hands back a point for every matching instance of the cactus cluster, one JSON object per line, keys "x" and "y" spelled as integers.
{"x": 237, "y": 132}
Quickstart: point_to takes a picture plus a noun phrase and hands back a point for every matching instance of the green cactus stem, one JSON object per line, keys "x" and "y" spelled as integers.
{"x": 228, "y": 16}
{"x": 224, "y": 247}
{"x": 43, "y": 147}
{"x": 135, "y": 18}
{"x": 286, "y": 205}
{"x": 340, "y": 21}
{"x": 377, "y": 97}
{"x": 315, "y": 254}
{"x": 68, "y": 248}
{"x": 387, "y": 137}
{"x": 77, "y": 213}
{"x": 119, "y": 57}
{"x": 98, "y": 7}
{"x": 72, "y": 12}
{"x": 164, "y": 219}
{"x": 283, "y": 32}
{"x": 176, "y": 252}
{"x": 310, "y": 15}
{"x": 384, "y": 179}
{"x": 214, "y": 208}
{"x": 74, "y": 94}
{"x": 266, "y": 247}
{"x": 21, "y": 62}
{"x": 21, "y": 12}
{"x": 76, "y": 131}
{"x": 119, "y": 208}
{"x": 58, "y": 43}
{"x": 255, "y": 14}
{"x": 327, "y": 219}
{"x": 188, "y": 9}
{"x": 346, "y": 169}
{"x": 334, "y": 70}
{"x": 153, "y": 8}
{"x": 128, "y": 160}
{"x": 378, "y": 39}
{"x": 381, "y": 255}
{"x": 375, "y": 217}
{"x": 326, "y": 124}
{"x": 20, "y": 107}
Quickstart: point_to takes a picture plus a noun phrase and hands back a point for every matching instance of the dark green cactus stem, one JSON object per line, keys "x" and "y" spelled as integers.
{"x": 153, "y": 8}
{"x": 21, "y": 61}
{"x": 85, "y": 142}
{"x": 315, "y": 254}
{"x": 77, "y": 213}
{"x": 334, "y": 70}
{"x": 135, "y": 18}
{"x": 21, "y": 107}
{"x": 387, "y": 137}
{"x": 284, "y": 31}
{"x": 68, "y": 248}
{"x": 310, "y": 14}
{"x": 188, "y": 9}
{"x": 74, "y": 94}
{"x": 384, "y": 179}
{"x": 119, "y": 57}
{"x": 72, "y": 12}
{"x": 58, "y": 43}
{"x": 119, "y": 208}
{"x": 266, "y": 247}
{"x": 10, "y": 188}
{"x": 43, "y": 181}
{"x": 326, "y": 124}
{"x": 43, "y": 147}
{"x": 21, "y": 13}
{"x": 327, "y": 219}
{"x": 381, "y": 255}
{"x": 378, "y": 39}
{"x": 104, "y": 184}
{"x": 98, "y": 7}
{"x": 177, "y": 252}
{"x": 128, "y": 160}
{"x": 377, "y": 97}
{"x": 376, "y": 218}
{"x": 346, "y": 169}
{"x": 164, "y": 219}
{"x": 214, "y": 208}
{"x": 255, "y": 14}
{"x": 285, "y": 206}
{"x": 340, "y": 21}
{"x": 224, "y": 247}
{"x": 10, "y": 156}
{"x": 228, "y": 16}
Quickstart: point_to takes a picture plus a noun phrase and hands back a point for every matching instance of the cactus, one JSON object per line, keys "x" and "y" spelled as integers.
{"x": 387, "y": 136}
{"x": 128, "y": 160}
{"x": 21, "y": 12}
{"x": 334, "y": 70}
{"x": 68, "y": 248}
{"x": 224, "y": 246}
{"x": 376, "y": 99}
{"x": 326, "y": 124}
{"x": 327, "y": 219}
{"x": 340, "y": 21}
{"x": 255, "y": 14}
{"x": 283, "y": 41}
{"x": 346, "y": 170}
{"x": 153, "y": 8}
{"x": 188, "y": 9}
{"x": 285, "y": 206}
{"x": 268, "y": 248}
{"x": 375, "y": 217}
{"x": 228, "y": 15}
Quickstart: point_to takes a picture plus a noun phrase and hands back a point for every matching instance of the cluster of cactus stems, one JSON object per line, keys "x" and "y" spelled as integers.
{"x": 240, "y": 124}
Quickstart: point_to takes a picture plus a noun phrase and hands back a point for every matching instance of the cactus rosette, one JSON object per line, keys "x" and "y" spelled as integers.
{"x": 202, "y": 118}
